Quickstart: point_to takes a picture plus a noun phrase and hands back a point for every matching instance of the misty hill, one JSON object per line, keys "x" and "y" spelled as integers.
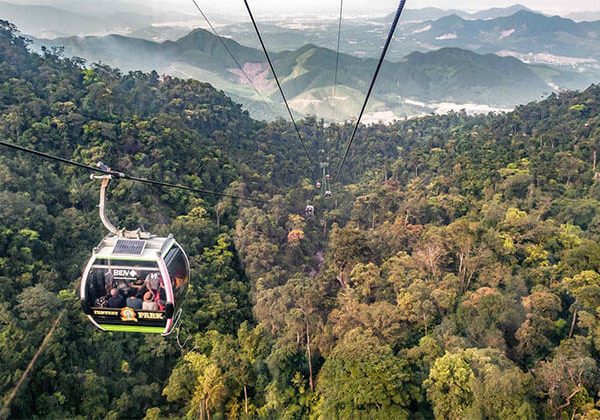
{"x": 497, "y": 12}
{"x": 422, "y": 14}
{"x": 80, "y": 17}
{"x": 584, "y": 16}
{"x": 160, "y": 33}
{"x": 465, "y": 76}
{"x": 307, "y": 73}
{"x": 523, "y": 32}
{"x": 529, "y": 36}
{"x": 445, "y": 75}
{"x": 434, "y": 13}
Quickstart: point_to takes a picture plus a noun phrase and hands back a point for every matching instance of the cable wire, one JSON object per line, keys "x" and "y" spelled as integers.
{"x": 5, "y": 411}
{"x": 220, "y": 38}
{"x": 326, "y": 172}
{"x": 277, "y": 81}
{"x": 122, "y": 175}
{"x": 337, "y": 52}
{"x": 379, "y": 64}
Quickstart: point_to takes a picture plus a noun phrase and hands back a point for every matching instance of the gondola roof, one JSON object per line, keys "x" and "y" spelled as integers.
{"x": 116, "y": 247}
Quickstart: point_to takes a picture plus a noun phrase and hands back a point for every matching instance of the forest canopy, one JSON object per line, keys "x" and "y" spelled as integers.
{"x": 453, "y": 274}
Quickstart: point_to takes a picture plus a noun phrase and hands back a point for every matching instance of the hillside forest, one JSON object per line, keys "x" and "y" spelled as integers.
{"x": 453, "y": 274}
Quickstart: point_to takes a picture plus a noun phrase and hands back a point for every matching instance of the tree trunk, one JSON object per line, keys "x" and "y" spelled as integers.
{"x": 573, "y": 323}
{"x": 340, "y": 278}
{"x": 245, "y": 400}
{"x": 308, "y": 354}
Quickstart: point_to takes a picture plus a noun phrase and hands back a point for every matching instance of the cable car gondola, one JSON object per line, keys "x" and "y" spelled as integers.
{"x": 309, "y": 211}
{"x": 134, "y": 281}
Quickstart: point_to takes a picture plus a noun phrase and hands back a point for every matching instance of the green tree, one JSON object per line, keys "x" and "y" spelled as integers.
{"x": 362, "y": 378}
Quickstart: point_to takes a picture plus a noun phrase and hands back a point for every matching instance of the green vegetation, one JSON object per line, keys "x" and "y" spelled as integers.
{"x": 456, "y": 277}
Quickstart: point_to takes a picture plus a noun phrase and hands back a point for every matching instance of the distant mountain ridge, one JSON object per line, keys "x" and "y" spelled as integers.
{"x": 516, "y": 31}
{"x": 79, "y": 17}
{"x": 446, "y": 75}
{"x": 433, "y": 13}
{"x": 524, "y": 32}
{"x": 497, "y": 12}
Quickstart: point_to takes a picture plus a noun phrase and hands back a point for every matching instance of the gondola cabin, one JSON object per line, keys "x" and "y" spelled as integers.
{"x": 135, "y": 285}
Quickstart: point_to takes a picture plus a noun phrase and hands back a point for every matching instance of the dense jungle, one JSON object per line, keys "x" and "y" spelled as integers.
{"x": 452, "y": 274}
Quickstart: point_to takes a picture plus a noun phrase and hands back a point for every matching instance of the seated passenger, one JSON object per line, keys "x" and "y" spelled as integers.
{"x": 149, "y": 304}
{"x": 115, "y": 300}
{"x": 123, "y": 288}
{"x": 180, "y": 280}
{"x": 140, "y": 287}
{"x": 134, "y": 301}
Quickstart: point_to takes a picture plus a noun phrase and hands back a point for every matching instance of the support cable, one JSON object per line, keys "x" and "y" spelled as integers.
{"x": 5, "y": 411}
{"x": 122, "y": 175}
{"x": 373, "y": 80}
{"x": 337, "y": 52}
{"x": 233, "y": 57}
{"x": 327, "y": 171}
{"x": 277, "y": 81}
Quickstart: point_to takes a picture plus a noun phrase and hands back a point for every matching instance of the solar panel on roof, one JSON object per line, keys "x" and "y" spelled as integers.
{"x": 129, "y": 246}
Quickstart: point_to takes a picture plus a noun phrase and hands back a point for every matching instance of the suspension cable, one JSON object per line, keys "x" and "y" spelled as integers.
{"x": 379, "y": 64}
{"x": 122, "y": 175}
{"x": 233, "y": 57}
{"x": 277, "y": 81}
{"x": 337, "y": 51}
{"x": 5, "y": 411}
{"x": 327, "y": 171}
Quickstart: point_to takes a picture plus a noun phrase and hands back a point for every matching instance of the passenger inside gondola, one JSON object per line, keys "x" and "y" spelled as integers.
{"x": 116, "y": 300}
{"x": 134, "y": 301}
{"x": 110, "y": 286}
{"x": 138, "y": 284}
{"x": 152, "y": 282}
{"x": 149, "y": 303}
{"x": 109, "y": 282}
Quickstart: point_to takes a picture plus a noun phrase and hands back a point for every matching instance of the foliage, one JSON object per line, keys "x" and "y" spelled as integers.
{"x": 456, "y": 277}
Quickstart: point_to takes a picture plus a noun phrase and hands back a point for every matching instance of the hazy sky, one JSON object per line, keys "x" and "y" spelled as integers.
{"x": 374, "y": 6}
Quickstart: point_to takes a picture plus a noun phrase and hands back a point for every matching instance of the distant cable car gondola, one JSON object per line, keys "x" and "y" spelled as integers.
{"x": 309, "y": 211}
{"x": 134, "y": 281}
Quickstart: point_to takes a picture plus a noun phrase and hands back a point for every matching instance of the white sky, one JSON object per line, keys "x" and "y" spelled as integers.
{"x": 295, "y": 7}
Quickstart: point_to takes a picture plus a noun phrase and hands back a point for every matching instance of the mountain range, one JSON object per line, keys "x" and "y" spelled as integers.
{"x": 528, "y": 35}
{"x": 522, "y": 32}
{"x": 416, "y": 84}
{"x": 81, "y": 17}
{"x": 440, "y": 59}
{"x": 433, "y": 13}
